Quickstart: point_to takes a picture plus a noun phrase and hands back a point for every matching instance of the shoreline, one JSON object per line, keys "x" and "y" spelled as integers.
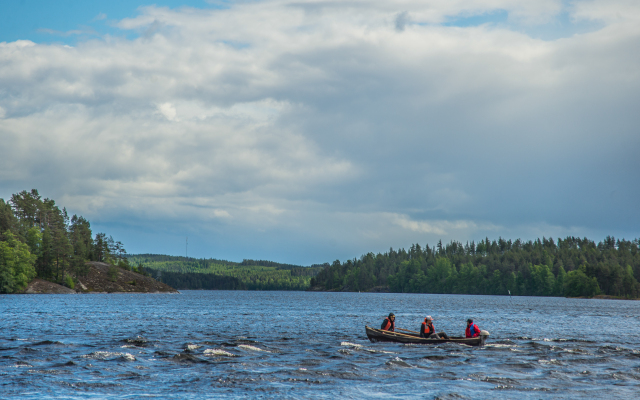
{"x": 101, "y": 278}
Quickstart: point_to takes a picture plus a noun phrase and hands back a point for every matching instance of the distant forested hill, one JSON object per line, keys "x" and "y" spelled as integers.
{"x": 193, "y": 273}
{"x": 571, "y": 267}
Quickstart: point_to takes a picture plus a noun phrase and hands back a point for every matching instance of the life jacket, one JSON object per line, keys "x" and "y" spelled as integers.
{"x": 472, "y": 331}
{"x": 388, "y": 325}
{"x": 427, "y": 329}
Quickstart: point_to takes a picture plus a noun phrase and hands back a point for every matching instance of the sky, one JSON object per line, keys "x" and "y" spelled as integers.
{"x": 308, "y": 131}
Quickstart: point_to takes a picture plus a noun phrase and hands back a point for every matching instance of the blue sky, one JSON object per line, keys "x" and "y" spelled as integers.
{"x": 67, "y": 21}
{"x": 307, "y": 132}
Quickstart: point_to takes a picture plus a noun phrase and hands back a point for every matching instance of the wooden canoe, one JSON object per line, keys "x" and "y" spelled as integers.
{"x": 378, "y": 335}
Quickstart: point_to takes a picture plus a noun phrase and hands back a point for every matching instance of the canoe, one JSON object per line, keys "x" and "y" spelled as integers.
{"x": 378, "y": 335}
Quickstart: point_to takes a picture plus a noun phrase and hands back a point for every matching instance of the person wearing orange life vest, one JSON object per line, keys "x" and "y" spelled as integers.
{"x": 428, "y": 331}
{"x": 472, "y": 329}
{"x": 389, "y": 323}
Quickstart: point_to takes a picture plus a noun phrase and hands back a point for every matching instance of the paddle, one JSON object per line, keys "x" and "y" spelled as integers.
{"x": 407, "y": 330}
{"x": 396, "y": 333}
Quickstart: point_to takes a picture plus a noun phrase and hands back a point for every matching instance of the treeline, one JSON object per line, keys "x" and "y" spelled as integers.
{"x": 180, "y": 260}
{"x": 191, "y": 273}
{"x": 213, "y": 265}
{"x": 38, "y": 239}
{"x": 571, "y": 267}
{"x": 197, "y": 281}
{"x": 295, "y": 270}
{"x": 265, "y": 263}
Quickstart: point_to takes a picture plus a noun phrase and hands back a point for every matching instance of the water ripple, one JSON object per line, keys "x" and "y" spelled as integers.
{"x": 311, "y": 345}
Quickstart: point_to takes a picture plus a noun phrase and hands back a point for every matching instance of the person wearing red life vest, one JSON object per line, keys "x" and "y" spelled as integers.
{"x": 428, "y": 331}
{"x": 389, "y": 323}
{"x": 472, "y": 329}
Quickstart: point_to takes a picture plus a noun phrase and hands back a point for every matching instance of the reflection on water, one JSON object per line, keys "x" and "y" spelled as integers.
{"x": 301, "y": 345}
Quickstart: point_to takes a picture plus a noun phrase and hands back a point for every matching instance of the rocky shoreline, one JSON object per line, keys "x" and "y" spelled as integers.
{"x": 102, "y": 278}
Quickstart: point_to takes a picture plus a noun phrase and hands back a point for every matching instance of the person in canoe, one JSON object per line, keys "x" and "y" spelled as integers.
{"x": 472, "y": 329}
{"x": 428, "y": 331}
{"x": 389, "y": 323}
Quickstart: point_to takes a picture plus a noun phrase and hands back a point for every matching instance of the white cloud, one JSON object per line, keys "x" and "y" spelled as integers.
{"x": 442, "y": 227}
{"x": 168, "y": 110}
{"x": 367, "y": 121}
{"x": 611, "y": 11}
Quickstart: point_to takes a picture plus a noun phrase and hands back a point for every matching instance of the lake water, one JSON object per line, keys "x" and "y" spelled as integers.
{"x": 225, "y": 344}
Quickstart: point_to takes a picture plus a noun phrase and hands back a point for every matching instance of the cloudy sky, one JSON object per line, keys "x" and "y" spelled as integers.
{"x": 309, "y": 131}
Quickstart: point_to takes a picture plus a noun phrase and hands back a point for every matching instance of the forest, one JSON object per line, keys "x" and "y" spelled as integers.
{"x": 571, "y": 267}
{"x": 192, "y": 273}
{"x": 38, "y": 239}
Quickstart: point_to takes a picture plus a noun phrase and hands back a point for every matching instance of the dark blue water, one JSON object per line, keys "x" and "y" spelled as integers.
{"x": 222, "y": 344}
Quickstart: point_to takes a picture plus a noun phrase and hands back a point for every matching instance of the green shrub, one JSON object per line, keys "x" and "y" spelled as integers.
{"x": 578, "y": 284}
{"x": 69, "y": 282}
{"x": 124, "y": 264}
{"x": 112, "y": 273}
